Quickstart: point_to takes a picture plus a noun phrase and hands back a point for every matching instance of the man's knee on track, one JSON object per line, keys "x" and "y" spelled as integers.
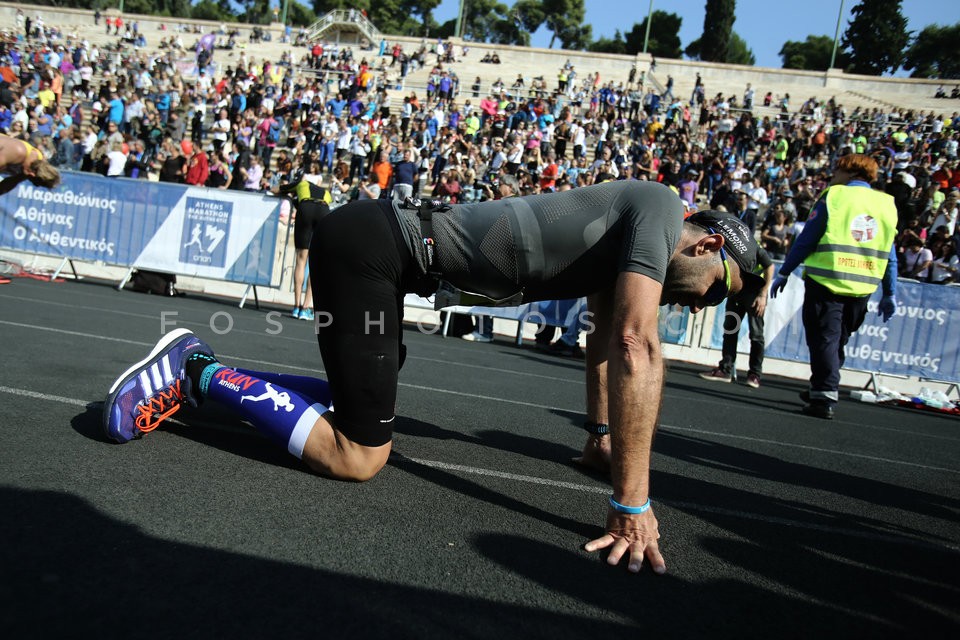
{"x": 347, "y": 451}
{"x": 351, "y": 462}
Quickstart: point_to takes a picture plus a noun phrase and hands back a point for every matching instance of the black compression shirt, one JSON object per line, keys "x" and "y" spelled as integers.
{"x": 556, "y": 245}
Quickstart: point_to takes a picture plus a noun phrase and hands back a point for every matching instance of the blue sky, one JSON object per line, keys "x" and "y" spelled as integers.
{"x": 764, "y": 24}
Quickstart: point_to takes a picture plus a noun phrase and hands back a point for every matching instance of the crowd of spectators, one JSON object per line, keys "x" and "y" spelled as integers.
{"x": 176, "y": 113}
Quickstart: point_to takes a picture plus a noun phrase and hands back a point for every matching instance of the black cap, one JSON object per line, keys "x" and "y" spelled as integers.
{"x": 738, "y": 242}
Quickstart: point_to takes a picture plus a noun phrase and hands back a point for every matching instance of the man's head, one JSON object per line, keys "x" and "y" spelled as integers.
{"x": 702, "y": 272}
{"x": 508, "y": 186}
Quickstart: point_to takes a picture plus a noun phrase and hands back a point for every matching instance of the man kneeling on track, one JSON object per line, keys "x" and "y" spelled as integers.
{"x": 624, "y": 245}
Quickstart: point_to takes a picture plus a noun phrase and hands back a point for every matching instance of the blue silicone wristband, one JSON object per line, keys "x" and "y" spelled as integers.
{"x": 622, "y": 508}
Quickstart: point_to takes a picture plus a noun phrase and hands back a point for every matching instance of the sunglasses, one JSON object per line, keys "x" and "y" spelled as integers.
{"x": 718, "y": 291}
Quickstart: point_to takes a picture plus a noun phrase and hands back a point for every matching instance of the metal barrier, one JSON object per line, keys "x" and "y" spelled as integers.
{"x": 921, "y": 340}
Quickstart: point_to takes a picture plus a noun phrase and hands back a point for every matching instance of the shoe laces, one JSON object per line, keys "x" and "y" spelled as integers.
{"x": 159, "y": 407}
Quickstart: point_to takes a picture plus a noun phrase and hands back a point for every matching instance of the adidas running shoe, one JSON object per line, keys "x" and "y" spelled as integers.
{"x": 153, "y": 389}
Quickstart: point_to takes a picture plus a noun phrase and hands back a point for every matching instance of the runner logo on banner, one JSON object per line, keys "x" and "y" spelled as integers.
{"x": 206, "y": 224}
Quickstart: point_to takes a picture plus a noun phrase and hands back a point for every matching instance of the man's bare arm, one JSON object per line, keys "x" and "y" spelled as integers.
{"x": 596, "y": 450}
{"x": 634, "y": 387}
{"x": 635, "y": 383}
{"x": 600, "y": 306}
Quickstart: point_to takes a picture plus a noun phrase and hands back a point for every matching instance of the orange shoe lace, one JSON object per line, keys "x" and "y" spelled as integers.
{"x": 159, "y": 407}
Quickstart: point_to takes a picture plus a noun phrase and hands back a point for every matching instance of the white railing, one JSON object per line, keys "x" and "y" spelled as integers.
{"x": 344, "y": 17}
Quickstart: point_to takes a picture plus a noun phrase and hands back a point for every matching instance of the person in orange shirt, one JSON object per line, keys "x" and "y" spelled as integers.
{"x": 549, "y": 173}
{"x": 56, "y": 84}
{"x": 365, "y": 78}
{"x": 8, "y": 76}
{"x": 383, "y": 170}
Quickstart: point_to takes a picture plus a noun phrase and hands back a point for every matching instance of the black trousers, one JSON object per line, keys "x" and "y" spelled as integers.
{"x": 359, "y": 270}
{"x": 828, "y": 320}
{"x": 738, "y": 309}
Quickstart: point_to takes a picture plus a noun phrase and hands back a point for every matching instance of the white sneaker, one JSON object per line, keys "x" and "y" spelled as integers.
{"x": 476, "y": 336}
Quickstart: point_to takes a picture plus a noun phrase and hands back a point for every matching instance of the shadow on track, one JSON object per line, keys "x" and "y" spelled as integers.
{"x": 105, "y": 578}
{"x": 812, "y": 593}
{"x": 713, "y": 455}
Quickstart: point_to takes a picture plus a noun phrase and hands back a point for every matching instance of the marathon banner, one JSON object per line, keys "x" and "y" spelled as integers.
{"x": 921, "y": 340}
{"x": 190, "y": 231}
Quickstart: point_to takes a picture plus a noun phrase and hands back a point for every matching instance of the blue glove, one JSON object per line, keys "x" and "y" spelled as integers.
{"x": 887, "y": 307}
{"x": 778, "y": 285}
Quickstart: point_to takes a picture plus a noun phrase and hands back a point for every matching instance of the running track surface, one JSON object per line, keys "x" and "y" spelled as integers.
{"x": 773, "y": 524}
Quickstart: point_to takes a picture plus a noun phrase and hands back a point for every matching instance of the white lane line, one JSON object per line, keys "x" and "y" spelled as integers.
{"x": 446, "y": 466}
{"x": 79, "y": 334}
{"x": 140, "y": 343}
{"x": 482, "y": 397}
{"x": 676, "y": 504}
{"x": 172, "y": 322}
{"x": 731, "y": 436}
{"x": 26, "y": 393}
{"x": 275, "y": 365}
{"x": 279, "y": 336}
{"x": 579, "y": 381}
{"x": 687, "y": 506}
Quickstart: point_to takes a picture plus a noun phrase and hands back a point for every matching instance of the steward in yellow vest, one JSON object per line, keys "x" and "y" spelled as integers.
{"x": 854, "y": 250}
{"x": 847, "y": 248}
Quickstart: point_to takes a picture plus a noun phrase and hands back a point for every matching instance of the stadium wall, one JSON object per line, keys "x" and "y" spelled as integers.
{"x": 550, "y": 60}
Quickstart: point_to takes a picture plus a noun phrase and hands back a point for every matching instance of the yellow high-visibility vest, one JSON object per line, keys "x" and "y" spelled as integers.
{"x": 853, "y": 253}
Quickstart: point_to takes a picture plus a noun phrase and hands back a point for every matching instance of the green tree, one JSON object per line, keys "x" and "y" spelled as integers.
{"x": 530, "y": 14}
{"x": 616, "y": 44}
{"x": 76, "y": 4}
{"x": 218, "y": 10}
{"x": 717, "y": 26}
{"x": 935, "y": 53}
{"x": 508, "y": 30}
{"x": 300, "y": 15}
{"x": 737, "y": 51}
{"x": 664, "y": 35}
{"x": 393, "y": 16}
{"x": 565, "y": 19}
{"x": 255, "y": 11}
{"x": 424, "y": 9}
{"x": 480, "y": 17}
{"x": 813, "y": 54}
{"x": 323, "y": 7}
{"x": 876, "y": 37}
{"x": 154, "y": 7}
{"x": 492, "y": 21}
